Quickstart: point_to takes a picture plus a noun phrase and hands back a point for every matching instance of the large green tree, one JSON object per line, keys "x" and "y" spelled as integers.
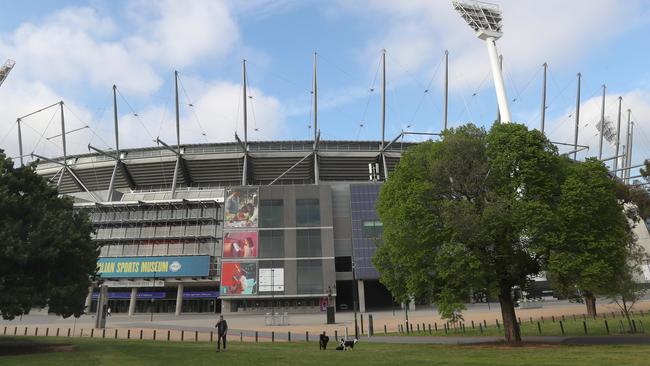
{"x": 46, "y": 254}
{"x": 474, "y": 210}
{"x": 596, "y": 239}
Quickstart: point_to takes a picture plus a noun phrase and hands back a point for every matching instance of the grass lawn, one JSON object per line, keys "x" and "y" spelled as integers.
{"x": 548, "y": 327}
{"x": 74, "y": 351}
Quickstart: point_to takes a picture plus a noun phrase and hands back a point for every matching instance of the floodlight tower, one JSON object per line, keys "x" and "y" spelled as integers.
{"x": 485, "y": 20}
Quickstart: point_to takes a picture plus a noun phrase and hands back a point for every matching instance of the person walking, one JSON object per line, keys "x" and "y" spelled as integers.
{"x": 222, "y": 329}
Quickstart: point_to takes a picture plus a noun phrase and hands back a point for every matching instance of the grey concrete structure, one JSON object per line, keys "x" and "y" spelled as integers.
{"x": 159, "y": 215}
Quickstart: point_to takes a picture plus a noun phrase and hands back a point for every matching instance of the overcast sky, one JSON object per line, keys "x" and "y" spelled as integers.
{"x": 75, "y": 51}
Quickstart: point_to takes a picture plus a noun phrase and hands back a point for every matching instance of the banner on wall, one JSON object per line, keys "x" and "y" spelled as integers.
{"x": 271, "y": 279}
{"x": 238, "y": 278}
{"x": 198, "y": 266}
{"x": 240, "y": 244}
{"x": 241, "y": 207}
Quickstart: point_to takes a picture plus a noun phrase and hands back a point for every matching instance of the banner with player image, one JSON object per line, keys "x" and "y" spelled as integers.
{"x": 238, "y": 278}
{"x": 240, "y": 207}
{"x": 240, "y": 244}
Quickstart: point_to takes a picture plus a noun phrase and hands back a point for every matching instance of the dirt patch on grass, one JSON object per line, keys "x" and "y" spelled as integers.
{"x": 23, "y": 347}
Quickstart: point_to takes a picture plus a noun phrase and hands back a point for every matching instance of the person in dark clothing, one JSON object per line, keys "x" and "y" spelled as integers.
{"x": 222, "y": 329}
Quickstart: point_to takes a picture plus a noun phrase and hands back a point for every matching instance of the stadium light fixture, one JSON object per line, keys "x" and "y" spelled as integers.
{"x": 485, "y": 20}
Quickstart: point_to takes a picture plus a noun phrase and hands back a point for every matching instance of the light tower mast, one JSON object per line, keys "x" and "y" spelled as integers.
{"x": 485, "y": 20}
{"x": 6, "y": 69}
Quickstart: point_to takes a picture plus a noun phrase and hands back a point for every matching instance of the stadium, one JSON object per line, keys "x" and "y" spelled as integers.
{"x": 311, "y": 217}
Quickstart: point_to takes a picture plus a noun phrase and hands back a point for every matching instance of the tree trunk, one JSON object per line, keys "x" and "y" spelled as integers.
{"x": 510, "y": 324}
{"x": 590, "y": 301}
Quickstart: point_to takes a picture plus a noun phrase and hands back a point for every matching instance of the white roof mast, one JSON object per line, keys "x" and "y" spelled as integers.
{"x": 485, "y": 20}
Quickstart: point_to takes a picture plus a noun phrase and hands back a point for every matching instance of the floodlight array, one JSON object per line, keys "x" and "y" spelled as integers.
{"x": 479, "y": 15}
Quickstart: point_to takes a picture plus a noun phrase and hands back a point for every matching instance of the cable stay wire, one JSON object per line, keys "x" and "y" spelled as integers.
{"x": 251, "y": 98}
{"x": 56, "y": 111}
{"x": 370, "y": 91}
{"x": 427, "y": 89}
{"x": 190, "y": 104}
{"x": 135, "y": 114}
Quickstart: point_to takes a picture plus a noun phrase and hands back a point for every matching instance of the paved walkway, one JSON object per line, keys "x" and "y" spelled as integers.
{"x": 535, "y": 339}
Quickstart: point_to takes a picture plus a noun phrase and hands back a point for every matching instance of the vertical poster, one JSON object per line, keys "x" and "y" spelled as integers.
{"x": 241, "y": 208}
{"x": 240, "y": 244}
{"x": 238, "y": 278}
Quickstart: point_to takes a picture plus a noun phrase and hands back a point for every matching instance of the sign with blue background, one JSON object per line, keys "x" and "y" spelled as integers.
{"x": 180, "y": 266}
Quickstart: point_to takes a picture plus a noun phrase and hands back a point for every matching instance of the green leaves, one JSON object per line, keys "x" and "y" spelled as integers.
{"x": 46, "y": 254}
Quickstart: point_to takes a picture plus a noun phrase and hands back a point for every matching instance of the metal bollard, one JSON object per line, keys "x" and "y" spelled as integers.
{"x": 255, "y": 336}
{"x": 25, "y": 331}
{"x": 480, "y": 327}
{"x": 128, "y": 334}
{"x": 211, "y": 336}
{"x": 182, "y": 335}
{"x": 92, "y": 333}
{"x": 606, "y": 327}
{"x": 539, "y": 327}
{"x": 36, "y": 332}
{"x": 57, "y": 332}
{"x": 288, "y": 336}
{"x": 562, "y": 327}
{"x": 141, "y": 333}
{"x": 336, "y": 334}
{"x": 154, "y": 334}
{"x": 115, "y": 333}
{"x": 633, "y": 326}
{"x": 498, "y": 327}
{"x": 196, "y": 336}
{"x": 553, "y": 318}
{"x": 104, "y": 333}
{"x": 430, "y": 328}
{"x": 241, "y": 337}
{"x": 68, "y": 332}
{"x": 385, "y": 330}
{"x": 168, "y": 334}
{"x": 307, "y": 336}
{"x": 272, "y": 337}
{"x": 472, "y": 324}
{"x": 5, "y": 331}
{"x": 584, "y": 325}
{"x": 418, "y": 327}
{"x": 484, "y": 324}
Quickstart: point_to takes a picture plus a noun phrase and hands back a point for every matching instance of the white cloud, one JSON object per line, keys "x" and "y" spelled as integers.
{"x": 177, "y": 34}
{"x": 559, "y": 32}
{"x": 562, "y": 129}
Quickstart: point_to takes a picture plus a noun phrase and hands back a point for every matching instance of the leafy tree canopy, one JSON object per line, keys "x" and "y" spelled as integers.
{"x": 46, "y": 254}
{"x": 472, "y": 211}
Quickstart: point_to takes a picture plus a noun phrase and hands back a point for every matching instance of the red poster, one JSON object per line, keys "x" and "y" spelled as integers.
{"x": 242, "y": 244}
{"x": 238, "y": 278}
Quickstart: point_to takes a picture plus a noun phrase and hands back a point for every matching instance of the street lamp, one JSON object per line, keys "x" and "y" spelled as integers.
{"x": 485, "y": 20}
{"x": 354, "y": 299}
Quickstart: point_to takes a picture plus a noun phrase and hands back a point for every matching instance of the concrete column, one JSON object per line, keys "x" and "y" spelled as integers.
{"x": 89, "y": 300}
{"x": 134, "y": 295}
{"x": 362, "y": 296}
{"x": 179, "y": 299}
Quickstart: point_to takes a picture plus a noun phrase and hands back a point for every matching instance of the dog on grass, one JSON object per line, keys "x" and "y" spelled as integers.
{"x": 322, "y": 341}
{"x": 346, "y": 345}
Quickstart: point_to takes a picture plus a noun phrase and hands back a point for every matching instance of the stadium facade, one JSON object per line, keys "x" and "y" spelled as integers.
{"x": 275, "y": 226}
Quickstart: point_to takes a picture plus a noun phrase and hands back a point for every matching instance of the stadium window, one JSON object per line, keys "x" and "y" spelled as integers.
{"x": 271, "y": 244}
{"x": 372, "y": 229}
{"x": 308, "y": 243}
{"x": 343, "y": 264}
{"x": 271, "y": 213}
{"x": 310, "y": 277}
{"x": 307, "y": 212}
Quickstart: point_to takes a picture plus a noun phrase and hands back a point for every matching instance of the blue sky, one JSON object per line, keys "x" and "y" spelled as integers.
{"x": 75, "y": 51}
